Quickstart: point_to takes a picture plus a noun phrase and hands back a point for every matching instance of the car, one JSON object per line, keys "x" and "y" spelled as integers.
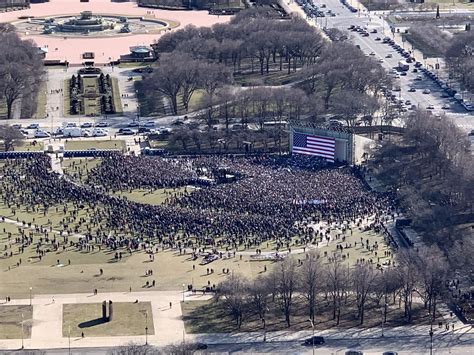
{"x": 415, "y": 70}
{"x": 411, "y": 90}
{"x": 316, "y": 340}
{"x": 353, "y": 352}
{"x": 133, "y": 124}
{"x": 100, "y": 132}
{"x": 86, "y": 125}
{"x": 446, "y": 107}
{"x": 403, "y": 73}
{"x": 408, "y": 102}
{"x": 390, "y": 353}
{"x": 380, "y": 60}
{"x": 378, "y": 38}
{"x": 33, "y": 126}
{"x": 427, "y": 91}
{"x": 365, "y": 34}
{"x": 71, "y": 125}
{"x": 149, "y": 124}
{"x": 41, "y": 134}
{"x": 397, "y": 88}
{"x": 17, "y": 126}
{"x": 57, "y": 132}
{"x": 388, "y": 55}
{"x": 102, "y": 124}
{"x": 418, "y": 65}
{"x": 351, "y": 27}
{"x": 372, "y": 53}
{"x": 430, "y": 107}
{"x": 125, "y": 131}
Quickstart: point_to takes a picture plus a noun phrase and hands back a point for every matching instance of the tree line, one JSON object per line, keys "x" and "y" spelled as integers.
{"x": 327, "y": 77}
{"x": 21, "y": 68}
{"x": 432, "y": 170}
{"x": 316, "y": 280}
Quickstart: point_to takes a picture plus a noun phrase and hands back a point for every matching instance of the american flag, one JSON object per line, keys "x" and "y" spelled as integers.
{"x": 319, "y": 146}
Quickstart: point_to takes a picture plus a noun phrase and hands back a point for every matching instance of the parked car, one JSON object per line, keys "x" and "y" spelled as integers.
{"x": 99, "y": 132}
{"x": 71, "y": 125}
{"x": 86, "y": 125}
{"x": 133, "y": 124}
{"x": 427, "y": 91}
{"x": 17, "y": 126}
{"x": 430, "y": 107}
{"x": 102, "y": 124}
{"x": 41, "y": 134}
{"x": 125, "y": 131}
{"x": 354, "y": 352}
{"x": 149, "y": 124}
{"x": 411, "y": 89}
{"x": 316, "y": 340}
{"x": 33, "y": 126}
{"x": 446, "y": 107}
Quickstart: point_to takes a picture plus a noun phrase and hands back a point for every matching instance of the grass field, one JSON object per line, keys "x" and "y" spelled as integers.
{"x": 156, "y": 197}
{"x": 29, "y": 146}
{"x": 128, "y": 319}
{"x": 79, "y": 168}
{"x": 11, "y": 319}
{"x": 116, "y": 96}
{"x": 94, "y": 144}
{"x": 41, "y": 104}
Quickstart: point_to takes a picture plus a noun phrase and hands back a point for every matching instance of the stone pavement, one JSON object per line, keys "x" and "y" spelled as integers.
{"x": 46, "y": 329}
{"x": 169, "y": 328}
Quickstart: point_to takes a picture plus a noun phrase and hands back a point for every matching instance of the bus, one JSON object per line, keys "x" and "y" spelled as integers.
{"x": 403, "y": 65}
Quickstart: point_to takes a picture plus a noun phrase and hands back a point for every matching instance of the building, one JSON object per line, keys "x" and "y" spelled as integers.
{"x": 13, "y": 4}
{"x": 139, "y": 54}
{"x": 192, "y": 4}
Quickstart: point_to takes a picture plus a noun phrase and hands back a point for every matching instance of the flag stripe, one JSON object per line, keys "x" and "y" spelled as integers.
{"x": 308, "y": 144}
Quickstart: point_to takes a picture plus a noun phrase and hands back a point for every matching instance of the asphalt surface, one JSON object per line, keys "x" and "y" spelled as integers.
{"x": 369, "y": 45}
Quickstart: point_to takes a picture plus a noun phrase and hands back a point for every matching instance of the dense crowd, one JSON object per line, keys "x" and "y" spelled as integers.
{"x": 273, "y": 198}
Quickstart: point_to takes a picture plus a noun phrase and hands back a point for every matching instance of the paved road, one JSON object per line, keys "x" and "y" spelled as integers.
{"x": 344, "y": 18}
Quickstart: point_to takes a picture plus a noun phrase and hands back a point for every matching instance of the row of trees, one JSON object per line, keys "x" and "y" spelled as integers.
{"x": 332, "y": 77}
{"x": 432, "y": 170}
{"x": 460, "y": 59}
{"x": 250, "y": 36}
{"x": 21, "y": 69}
{"x": 420, "y": 275}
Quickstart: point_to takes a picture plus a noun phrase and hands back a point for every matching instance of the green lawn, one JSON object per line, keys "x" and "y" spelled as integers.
{"x": 41, "y": 103}
{"x": 11, "y": 319}
{"x": 116, "y": 96}
{"x": 156, "y": 197}
{"x": 128, "y": 319}
{"x": 29, "y": 146}
{"x": 95, "y": 144}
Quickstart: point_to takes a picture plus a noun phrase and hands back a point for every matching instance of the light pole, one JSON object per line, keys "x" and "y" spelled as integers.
{"x": 382, "y": 319}
{"x": 264, "y": 330}
{"x": 22, "y": 335}
{"x": 312, "y": 327}
{"x": 431, "y": 338}
{"x": 69, "y": 339}
{"x": 31, "y": 288}
{"x": 146, "y": 328}
{"x": 183, "y": 292}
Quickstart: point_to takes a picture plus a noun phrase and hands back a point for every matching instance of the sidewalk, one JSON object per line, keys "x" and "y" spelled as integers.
{"x": 46, "y": 329}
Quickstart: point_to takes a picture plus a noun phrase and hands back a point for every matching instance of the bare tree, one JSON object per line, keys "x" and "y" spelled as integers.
{"x": 233, "y": 292}
{"x": 364, "y": 280}
{"x": 311, "y": 281}
{"x": 10, "y": 137}
{"x": 286, "y": 281}
{"x": 337, "y": 278}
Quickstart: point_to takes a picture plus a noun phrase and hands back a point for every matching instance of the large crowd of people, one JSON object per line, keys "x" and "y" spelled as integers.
{"x": 251, "y": 199}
